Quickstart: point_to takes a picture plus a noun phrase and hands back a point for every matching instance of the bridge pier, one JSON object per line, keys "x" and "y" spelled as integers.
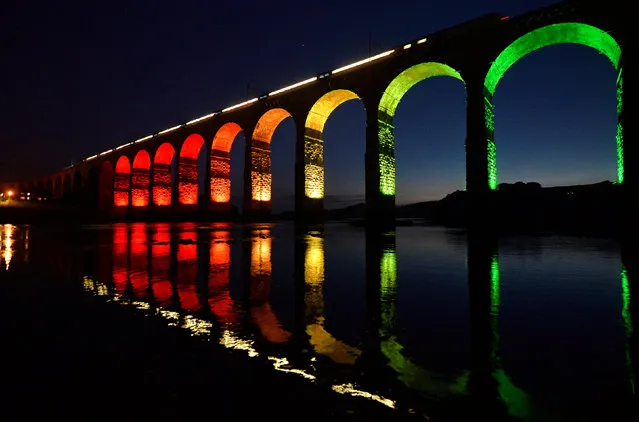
{"x": 380, "y": 208}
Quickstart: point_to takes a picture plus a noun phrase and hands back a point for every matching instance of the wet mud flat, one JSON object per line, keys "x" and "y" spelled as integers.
{"x": 69, "y": 354}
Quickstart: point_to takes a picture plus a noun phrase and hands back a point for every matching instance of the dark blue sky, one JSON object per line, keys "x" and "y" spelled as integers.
{"x": 83, "y": 77}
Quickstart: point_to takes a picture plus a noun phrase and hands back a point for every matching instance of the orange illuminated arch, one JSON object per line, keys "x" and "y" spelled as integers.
{"x": 140, "y": 179}
{"x": 188, "y": 173}
{"x": 221, "y": 162}
{"x": 261, "y": 178}
{"x": 162, "y": 179}
{"x": 122, "y": 182}
{"x": 313, "y": 143}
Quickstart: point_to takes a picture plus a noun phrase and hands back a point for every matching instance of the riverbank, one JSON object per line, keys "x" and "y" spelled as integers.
{"x": 71, "y": 355}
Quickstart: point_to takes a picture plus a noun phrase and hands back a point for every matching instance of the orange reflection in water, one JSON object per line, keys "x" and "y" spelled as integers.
{"x": 161, "y": 264}
{"x": 187, "y": 271}
{"x": 7, "y": 245}
{"x": 120, "y": 257}
{"x": 139, "y": 259}
{"x": 260, "y": 285}
{"x": 220, "y": 301}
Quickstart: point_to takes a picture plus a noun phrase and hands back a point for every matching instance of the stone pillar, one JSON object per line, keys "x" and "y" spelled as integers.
{"x": 220, "y": 182}
{"x": 628, "y": 130}
{"x": 188, "y": 185}
{"x": 480, "y": 152}
{"x": 380, "y": 208}
{"x": 307, "y": 209}
{"x": 257, "y": 180}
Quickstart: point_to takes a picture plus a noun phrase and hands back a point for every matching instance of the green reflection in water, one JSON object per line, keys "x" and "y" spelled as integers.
{"x": 409, "y": 373}
{"x": 627, "y": 321}
{"x": 517, "y": 401}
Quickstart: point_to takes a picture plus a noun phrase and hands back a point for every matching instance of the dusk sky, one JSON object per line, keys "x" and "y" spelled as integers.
{"x": 79, "y": 78}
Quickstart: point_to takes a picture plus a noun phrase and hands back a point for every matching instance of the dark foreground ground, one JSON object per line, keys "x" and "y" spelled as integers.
{"x": 68, "y": 354}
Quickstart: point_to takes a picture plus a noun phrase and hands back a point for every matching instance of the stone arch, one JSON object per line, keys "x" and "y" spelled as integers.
{"x": 105, "y": 186}
{"x": 313, "y": 143}
{"x": 391, "y": 98}
{"x": 162, "y": 178}
{"x": 560, "y": 33}
{"x": 221, "y": 162}
{"x": 261, "y": 177}
{"x": 140, "y": 179}
{"x": 122, "y": 182}
{"x": 188, "y": 172}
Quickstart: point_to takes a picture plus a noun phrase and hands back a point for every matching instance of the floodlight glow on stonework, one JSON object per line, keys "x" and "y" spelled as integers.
{"x": 386, "y": 112}
{"x": 561, "y": 33}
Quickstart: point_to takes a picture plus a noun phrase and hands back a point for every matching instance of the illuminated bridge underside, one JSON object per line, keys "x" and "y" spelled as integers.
{"x": 562, "y": 33}
{"x": 261, "y": 179}
{"x": 386, "y": 112}
{"x": 221, "y": 162}
{"x": 162, "y": 179}
{"x": 321, "y": 340}
{"x": 313, "y": 144}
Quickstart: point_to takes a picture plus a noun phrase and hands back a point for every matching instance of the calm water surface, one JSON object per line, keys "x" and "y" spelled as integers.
{"x": 537, "y": 327}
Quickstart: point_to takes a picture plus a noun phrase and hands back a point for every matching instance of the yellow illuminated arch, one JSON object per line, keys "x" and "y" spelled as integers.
{"x": 313, "y": 144}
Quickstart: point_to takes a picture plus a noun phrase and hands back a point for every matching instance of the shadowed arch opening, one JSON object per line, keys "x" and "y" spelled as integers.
{"x": 122, "y": 182}
{"x": 221, "y": 162}
{"x": 561, "y": 33}
{"x": 188, "y": 172}
{"x": 313, "y": 144}
{"x": 140, "y": 179}
{"x": 386, "y": 113}
{"x": 58, "y": 187}
{"x": 105, "y": 186}
{"x": 261, "y": 176}
{"x": 162, "y": 178}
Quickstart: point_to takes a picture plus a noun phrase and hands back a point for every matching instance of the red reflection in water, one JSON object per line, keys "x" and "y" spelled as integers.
{"x": 187, "y": 271}
{"x": 220, "y": 301}
{"x": 139, "y": 259}
{"x": 120, "y": 257}
{"x": 260, "y": 285}
{"x": 161, "y": 264}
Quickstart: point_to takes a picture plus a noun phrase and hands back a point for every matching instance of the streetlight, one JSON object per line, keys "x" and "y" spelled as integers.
{"x": 10, "y": 193}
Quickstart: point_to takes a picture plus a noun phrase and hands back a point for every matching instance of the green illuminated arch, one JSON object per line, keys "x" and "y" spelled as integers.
{"x": 386, "y": 112}
{"x": 561, "y": 33}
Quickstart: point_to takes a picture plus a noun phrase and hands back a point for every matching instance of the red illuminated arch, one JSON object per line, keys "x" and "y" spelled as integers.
{"x": 162, "y": 180}
{"x": 105, "y": 186}
{"x": 188, "y": 175}
{"x": 261, "y": 153}
{"x": 221, "y": 162}
{"x": 140, "y": 179}
{"x": 122, "y": 182}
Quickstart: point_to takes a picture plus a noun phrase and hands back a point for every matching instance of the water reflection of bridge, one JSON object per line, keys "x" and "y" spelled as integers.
{"x": 186, "y": 273}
